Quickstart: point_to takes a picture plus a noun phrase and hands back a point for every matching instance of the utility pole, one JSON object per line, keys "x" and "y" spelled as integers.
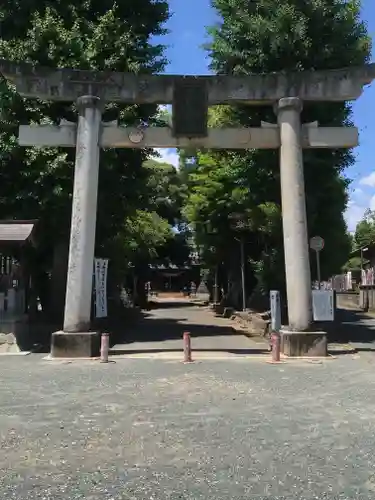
{"x": 243, "y": 272}
{"x": 216, "y": 285}
{"x": 212, "y": 232}
{"x": 238, "y": 223}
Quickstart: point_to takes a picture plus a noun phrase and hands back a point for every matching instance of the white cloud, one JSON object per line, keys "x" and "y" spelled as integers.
{"x": 353, "y": 215}
{"x": 168, "y": 156}
{"x": 369, "y": 180}
{"x": 360, "y": 200}
{"x": 358, "y": 192}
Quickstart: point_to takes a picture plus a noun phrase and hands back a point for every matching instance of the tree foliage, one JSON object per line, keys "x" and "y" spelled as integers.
{"x": 365, "y": 230}
{"x": 97, "y": 35}
{"x": 268, "y": 36}
{"x": 363, "y": 238}
{"x": 166, "y": 189}
{"x": 143, "y": 233}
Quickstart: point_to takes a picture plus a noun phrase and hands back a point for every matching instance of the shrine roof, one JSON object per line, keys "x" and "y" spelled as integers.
{"x": 16, "y": 231}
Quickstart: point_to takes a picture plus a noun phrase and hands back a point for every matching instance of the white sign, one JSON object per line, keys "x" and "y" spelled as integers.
{"x": 100, "y": 273}
{"x": 317, "y": 243}
{"x": 323, "y": 305}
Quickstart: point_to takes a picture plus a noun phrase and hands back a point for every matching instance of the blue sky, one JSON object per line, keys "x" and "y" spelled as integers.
{"x": 187, "y": 34}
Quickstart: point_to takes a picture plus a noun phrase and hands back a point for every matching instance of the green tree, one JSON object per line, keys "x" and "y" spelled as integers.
{"x": 37, "y": 183}
{"x": 364, "y": 236}
{"x": 216, "y": 193}
{"x": 166, "y": 189}
{"x": 365, "y": 230}
{"x": 140, "y": 237}
{"x": 268, "y": 36}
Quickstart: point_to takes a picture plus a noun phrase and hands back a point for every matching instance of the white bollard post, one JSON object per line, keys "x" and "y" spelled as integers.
{"x": 104, "y": 348}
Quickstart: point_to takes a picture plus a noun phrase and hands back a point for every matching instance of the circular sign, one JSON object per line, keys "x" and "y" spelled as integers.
{"x": 136, "y": 136}
{"x": 317, "y": 243}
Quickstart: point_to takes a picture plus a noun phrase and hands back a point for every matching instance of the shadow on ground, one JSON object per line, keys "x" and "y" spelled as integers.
{"x": 170, "y": 305}
{"x": 352, "y": 326}
{"x": 130, "y": 326}
{"x": 153, "y": 329}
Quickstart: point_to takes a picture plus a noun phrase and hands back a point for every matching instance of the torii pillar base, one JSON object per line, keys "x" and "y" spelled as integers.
{"x": 304, "y": 344}
{"x": 75, "y": 345}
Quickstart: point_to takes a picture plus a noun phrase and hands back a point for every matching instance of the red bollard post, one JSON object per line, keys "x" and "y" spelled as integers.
{"x": 104, "y": 348}
{"x": 187, "y": 348}
{"x": 276, "y": 342}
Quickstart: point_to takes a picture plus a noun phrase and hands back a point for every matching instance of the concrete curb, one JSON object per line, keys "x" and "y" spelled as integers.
{"x": 150, "y": 357}
{"x": 341, "y": 349}
{"x": 308, "y": 358}
{"x": 199, "y": 303}
{"x": 21, "y": 353}
{"x": 52, "y": 359}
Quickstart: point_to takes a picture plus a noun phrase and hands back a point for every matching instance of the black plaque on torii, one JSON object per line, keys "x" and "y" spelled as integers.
{"x": 190, "y": 107}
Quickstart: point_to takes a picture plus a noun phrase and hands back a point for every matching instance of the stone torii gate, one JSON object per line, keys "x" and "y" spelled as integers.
{"x": 190, "y": 97}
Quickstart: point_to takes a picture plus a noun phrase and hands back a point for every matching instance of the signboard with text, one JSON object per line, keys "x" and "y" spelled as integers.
{"x": 100, "y": 281}
{"x": 323, "y": 305}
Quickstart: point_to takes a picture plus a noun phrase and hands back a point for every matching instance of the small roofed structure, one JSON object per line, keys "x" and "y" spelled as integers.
{"x": 17, "y": 232}
{"x": 16, "y": 236}
{"x": 171, "y": 277}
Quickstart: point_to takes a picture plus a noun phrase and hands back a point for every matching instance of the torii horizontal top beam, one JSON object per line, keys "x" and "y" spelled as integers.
{"x": 68, "y": 84}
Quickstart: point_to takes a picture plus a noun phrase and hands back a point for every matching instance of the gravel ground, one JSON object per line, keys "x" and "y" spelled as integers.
{"x": 151, "y": 429}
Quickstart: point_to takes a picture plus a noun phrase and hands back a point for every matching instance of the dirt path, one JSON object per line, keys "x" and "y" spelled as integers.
{"x": 162, "y": 328}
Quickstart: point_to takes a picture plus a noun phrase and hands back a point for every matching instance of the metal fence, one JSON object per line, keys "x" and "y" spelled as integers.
{"x": 339, "y": 283}
{"x": 346, "y": 282}
{"x": 368, "y": 276}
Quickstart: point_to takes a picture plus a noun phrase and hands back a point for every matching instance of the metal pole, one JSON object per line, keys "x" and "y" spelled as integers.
{"x": 318, "y": 268}
{"x": 216, "y": 286}
{"x": 243, "y": 273}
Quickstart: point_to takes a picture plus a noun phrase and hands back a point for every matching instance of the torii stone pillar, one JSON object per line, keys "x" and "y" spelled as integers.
{"x": 76, "y": 336}
{"x": 83, "y": 226}
{"x": 296, "y": 250}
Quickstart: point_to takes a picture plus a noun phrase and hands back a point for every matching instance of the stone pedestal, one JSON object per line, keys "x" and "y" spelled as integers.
{"x": 75, "y": 345}
{"x": 309, "y": 344}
